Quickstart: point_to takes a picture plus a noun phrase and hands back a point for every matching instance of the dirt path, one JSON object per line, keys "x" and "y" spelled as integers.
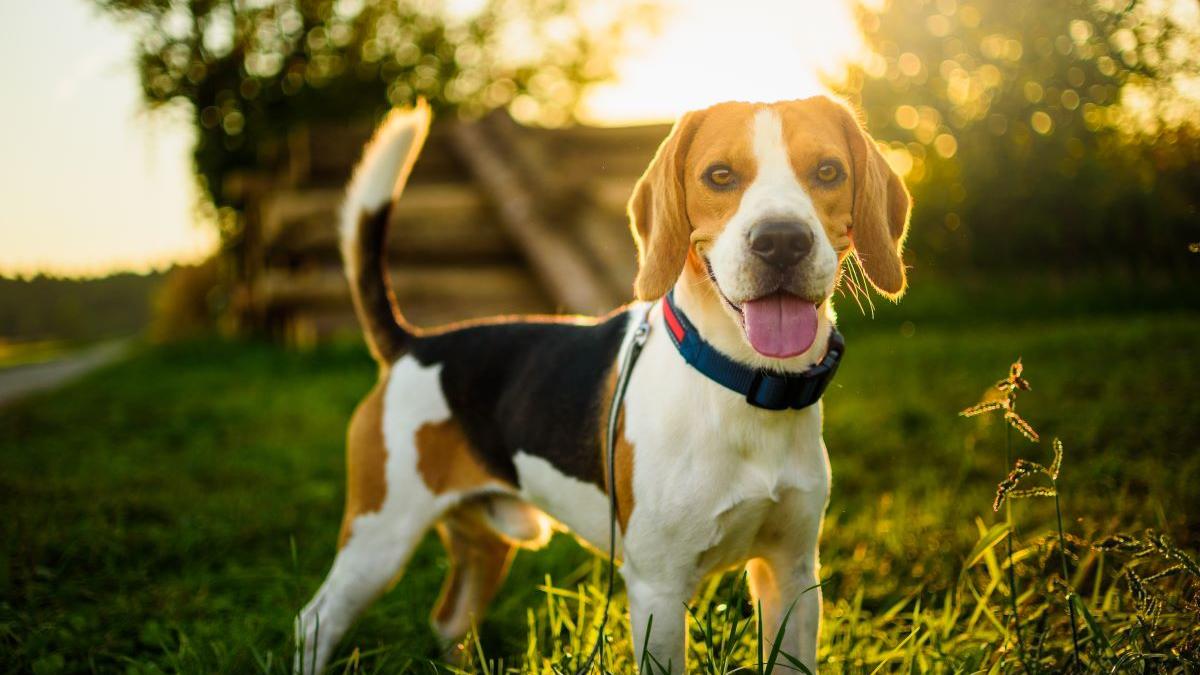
{"x": 20, "y": 381}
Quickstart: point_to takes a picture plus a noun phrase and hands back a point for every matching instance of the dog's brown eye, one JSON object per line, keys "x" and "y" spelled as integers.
{"x": 720, "y": 176}
{"x": 828, "y": 172}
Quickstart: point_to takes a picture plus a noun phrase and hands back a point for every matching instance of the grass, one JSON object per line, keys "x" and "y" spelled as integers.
{"x": 170, "y": 513}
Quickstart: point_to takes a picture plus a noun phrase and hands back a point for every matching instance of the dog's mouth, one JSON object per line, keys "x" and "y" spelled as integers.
{"x": 777, "y": 325}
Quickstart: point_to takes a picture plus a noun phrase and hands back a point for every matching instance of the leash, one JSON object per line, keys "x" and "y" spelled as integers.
{"x": 640, "y": 334}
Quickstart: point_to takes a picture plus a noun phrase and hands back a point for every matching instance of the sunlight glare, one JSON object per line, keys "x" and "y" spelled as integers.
{"x": 710, "y": 51}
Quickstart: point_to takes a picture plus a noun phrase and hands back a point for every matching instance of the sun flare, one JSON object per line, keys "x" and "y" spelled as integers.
{"x": 709, "y": 51}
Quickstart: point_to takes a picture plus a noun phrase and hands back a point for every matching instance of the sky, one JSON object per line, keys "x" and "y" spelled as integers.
{"x": 90, "y": 183}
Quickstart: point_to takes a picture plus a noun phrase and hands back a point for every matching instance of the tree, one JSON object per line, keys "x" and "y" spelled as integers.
{"x": 1062, "y": 132}
{"x": 250, "y": 70}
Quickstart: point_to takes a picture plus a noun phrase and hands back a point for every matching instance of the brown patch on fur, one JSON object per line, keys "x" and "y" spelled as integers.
{"x": 624, "y": 470}
{"x": 656, "y": 215}
{"x": 623, "y": 466}
{"x": 726, "y": 138}
{"x": 880, "y": 202}
{"x": 814, "y": 134}
{"x": 366, "y": 456}
{"x": 671, "y": 212}
{"x": 479, "y": 561}
{"x": 445, "y": 459}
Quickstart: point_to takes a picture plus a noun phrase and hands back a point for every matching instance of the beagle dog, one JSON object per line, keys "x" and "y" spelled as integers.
{"x": 493, "y": 431}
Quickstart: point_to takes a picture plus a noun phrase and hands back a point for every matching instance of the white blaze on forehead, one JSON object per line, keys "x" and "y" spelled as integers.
{"x": 775, "y": 192}
{"x": 778, "y": 193}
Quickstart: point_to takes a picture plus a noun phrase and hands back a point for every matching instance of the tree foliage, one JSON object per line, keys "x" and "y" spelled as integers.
{"x": 1062, "y": 133}
{"x": 251, "y": 70}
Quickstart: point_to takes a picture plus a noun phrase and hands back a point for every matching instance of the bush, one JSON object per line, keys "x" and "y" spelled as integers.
{"x": 188, "y": 302}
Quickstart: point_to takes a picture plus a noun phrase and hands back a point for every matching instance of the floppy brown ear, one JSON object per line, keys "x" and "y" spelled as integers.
{"x": 880, "y": 212}
{"x": 658, "y": 214}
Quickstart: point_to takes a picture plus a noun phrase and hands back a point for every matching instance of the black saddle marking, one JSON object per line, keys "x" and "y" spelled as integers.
{"x": 535, "y": 386}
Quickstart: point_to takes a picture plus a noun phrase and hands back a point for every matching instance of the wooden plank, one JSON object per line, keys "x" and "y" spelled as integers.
{"x": 325, "y": 154}
{"x": 611, "y": 193}
{"x": 621, "y": 165}
{"x": 279, "y": 209}
{"x": 596, "y": 152}
{"x": 556, "y": 262}
{"x": 441, "y": 221}
{"x": 466, "y": 286}
{"x": 459, "y": 239}
{"x": 606, "y": 238}
{"x": 638, "y": 137}
{"x": 306, "y": 326}
{"x": 523, "y": 148}
{"x": 434, "y": 201}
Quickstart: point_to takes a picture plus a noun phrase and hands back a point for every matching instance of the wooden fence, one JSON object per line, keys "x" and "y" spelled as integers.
{"x": 497, "y": 218}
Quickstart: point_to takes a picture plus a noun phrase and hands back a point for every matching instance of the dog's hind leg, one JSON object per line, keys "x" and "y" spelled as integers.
{"x": 382, "y": 526}
{"x": 479, "y": 560}
{"x": 372, "y": 558}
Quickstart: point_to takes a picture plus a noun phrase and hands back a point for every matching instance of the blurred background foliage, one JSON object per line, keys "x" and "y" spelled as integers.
{"x": 250, "y": 71}
{"x": 1035, "y": 134}
{"x": 45, "y": 308}
{"x": 1038, "y": 137}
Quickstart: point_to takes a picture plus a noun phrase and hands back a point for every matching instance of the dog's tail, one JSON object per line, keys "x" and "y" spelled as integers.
{"x": 377, "y": 184}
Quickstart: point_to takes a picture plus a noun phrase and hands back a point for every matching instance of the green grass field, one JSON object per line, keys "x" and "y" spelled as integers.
{"x": 172, "y": 512}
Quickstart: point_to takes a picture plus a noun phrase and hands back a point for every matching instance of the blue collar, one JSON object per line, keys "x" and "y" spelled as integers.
{"x": 762, "y": 388}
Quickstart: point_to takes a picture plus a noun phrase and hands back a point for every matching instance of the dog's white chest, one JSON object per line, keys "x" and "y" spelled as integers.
{"x": 749, "y": 503}
{"x": 714, "y": 479}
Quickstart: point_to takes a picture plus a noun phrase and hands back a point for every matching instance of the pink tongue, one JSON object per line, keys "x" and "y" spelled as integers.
{"x": 780, "y": 325}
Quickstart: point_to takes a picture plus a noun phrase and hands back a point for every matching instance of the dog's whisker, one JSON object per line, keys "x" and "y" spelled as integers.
{"x": 852, "y": 290}
{"x": 860, "y": 281}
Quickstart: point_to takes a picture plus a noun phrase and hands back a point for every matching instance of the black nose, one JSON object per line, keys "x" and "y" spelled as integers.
{"x": 781, "y": 243}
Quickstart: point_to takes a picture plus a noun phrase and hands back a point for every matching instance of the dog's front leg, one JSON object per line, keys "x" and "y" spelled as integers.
{"x": 781, "y": 584}
{"x": 784, "y": 576}
{"x": 657, "y": 603}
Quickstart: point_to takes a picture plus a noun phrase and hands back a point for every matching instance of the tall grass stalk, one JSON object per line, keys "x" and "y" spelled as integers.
{"x": 1062, "y": 552}
{"x": 1006, "y": 402}
{"x": 1012, "y": 570}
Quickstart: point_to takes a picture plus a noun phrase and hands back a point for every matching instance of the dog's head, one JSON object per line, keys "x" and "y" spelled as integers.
{"x": 755, "y": 206}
